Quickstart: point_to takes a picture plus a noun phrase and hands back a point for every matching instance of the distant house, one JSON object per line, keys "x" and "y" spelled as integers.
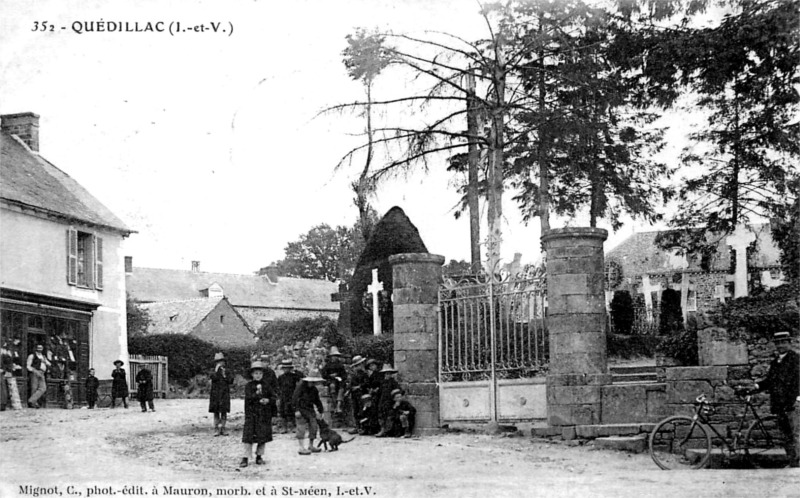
{"x": 62, "y": 282}
{"x": 213, "y": 320}
{"x": 258, "y": 299}
{"x": 742, "y": 260}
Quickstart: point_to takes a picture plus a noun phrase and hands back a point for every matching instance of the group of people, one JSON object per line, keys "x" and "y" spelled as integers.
{"x": 119, "y": 387}
{"x": 377, "y": 401}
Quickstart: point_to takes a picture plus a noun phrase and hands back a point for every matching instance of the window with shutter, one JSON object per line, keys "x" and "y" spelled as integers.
{"x": 98, "y": 262}
{"x": 72, "y": 256}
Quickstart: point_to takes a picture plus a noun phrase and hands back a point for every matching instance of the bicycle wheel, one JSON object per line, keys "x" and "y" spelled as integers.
{"x": 764, "y": 444}
{"x": 680, "y": 443}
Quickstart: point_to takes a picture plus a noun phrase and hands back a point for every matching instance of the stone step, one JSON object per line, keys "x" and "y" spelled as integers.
{"x": 634, "y": 444}
{"x": 593, "y": 431}
{"x": 774, "y": 458}
{"x": 632, "y": 370}
{"x": 634, "y": 377}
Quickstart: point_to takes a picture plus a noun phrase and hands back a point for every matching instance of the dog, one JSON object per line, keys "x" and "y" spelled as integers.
{"x": 329, "y": 437}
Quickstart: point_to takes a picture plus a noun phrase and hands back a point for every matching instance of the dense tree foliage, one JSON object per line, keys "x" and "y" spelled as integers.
{"x": 324, "y": 253}
{"x": 742, "y": 72}
{"x": 138, "y": 319}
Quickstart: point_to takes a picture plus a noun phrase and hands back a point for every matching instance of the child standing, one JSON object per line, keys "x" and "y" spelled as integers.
{"x": 305, "y": 399}
{"x": 258, "y": 399}
{"x": 287, "y": 383}
{"x": 91, "y": 389}
{"x": 220, "y": 400}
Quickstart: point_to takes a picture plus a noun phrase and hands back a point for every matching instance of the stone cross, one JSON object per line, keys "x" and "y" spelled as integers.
{"x": 647, "y": 289}
{"x": 739, "y": 240}
{"x": 375, "y": 288}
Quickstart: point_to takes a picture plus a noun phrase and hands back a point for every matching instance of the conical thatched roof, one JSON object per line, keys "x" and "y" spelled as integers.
{"x": 394, "y": 234}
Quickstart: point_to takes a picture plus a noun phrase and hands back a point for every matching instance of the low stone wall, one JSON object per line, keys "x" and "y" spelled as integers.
{"x": 628, "y": 403}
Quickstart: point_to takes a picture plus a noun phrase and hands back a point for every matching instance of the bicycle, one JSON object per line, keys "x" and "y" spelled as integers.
{"x": 683, "y": 442}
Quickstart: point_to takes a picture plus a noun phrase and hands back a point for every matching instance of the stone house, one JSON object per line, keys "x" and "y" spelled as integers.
{"x": 213, "y": 320}
{"x": 62, "y": 282}
{"x": 257, "y": 299}
{"x": 742, "y": 260}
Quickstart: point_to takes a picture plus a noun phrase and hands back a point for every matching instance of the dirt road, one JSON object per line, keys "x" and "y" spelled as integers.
{"x": 127, "y": 453}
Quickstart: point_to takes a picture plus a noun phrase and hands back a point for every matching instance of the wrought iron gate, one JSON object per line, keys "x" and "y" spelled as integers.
{"x": 493, "y": 349}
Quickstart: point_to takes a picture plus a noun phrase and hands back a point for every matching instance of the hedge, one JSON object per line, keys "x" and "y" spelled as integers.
{"x": 764, "y": 314}
{"x": 188, "y": 355}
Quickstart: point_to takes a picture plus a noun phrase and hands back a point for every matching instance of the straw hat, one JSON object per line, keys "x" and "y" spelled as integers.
{"x": 286, "y": 363}
{"x": 313, "y": 376}
{"x": 357, "y": 360}
{"x": 219, "y": 357}
{"x": 334, "y": 351}
{"x": 396, "y": 391}
{"x": 258, "y": 365}
{"x": 781, "y": 336}
{"x": 372, "y": 362}
{"x": 119, "y": 361}
{"x": 388, "y": 369}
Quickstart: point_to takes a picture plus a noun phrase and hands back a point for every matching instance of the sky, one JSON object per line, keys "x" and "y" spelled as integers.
{"x": 209, "y": 145}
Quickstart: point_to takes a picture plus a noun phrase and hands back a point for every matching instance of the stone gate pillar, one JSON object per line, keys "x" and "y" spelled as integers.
{"x": 576, "y": 322}
{"x": 416, "y": 278}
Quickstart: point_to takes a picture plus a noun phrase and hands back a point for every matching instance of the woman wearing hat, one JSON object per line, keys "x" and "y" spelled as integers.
{"x": 385, "y": 400}
{"x": 305, "y": 400}
{"x": 258, "y": 400}
{"x": 220, "y": 399}
{"x": 119, "y": 384}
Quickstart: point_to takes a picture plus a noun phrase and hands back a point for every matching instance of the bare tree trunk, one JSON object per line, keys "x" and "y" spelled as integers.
{"x": 473, "y": 157}
{"x": 363, "y": 187}
{"x": 544, "y": 180}
{"x": 496, "y": 157}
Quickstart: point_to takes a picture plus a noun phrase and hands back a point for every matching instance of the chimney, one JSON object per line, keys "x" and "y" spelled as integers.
{"x": 271, "y": 273}
{"x": 128, "y": 264}
{"x": 25, "y": 125}
{"x": 195, "y": 267}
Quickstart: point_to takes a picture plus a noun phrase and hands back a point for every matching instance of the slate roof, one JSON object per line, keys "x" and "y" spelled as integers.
{"x": 178, "y": 317}
{"x": 29, "y": 180}
{"x": 639, "y": 254}
{"x": 154, "y": 284}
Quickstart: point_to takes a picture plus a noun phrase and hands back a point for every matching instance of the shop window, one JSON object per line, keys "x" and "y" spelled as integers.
{"x": 84, "y": 259}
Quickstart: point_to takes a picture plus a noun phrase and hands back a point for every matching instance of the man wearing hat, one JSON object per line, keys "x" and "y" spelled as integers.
{"x": 335, "y": 375}
{"x": 305, "y": 399}
{"x": 783, "y": 384}
{"x": 404, "y": 415}
{"x": 37, "y": 367}
{"x": 385, "y": 400}
{"x": 119, "y": 384}
{"x": 287, "y": 382}
{"x": 259, "y": 399}
{"x": 220, "y": 399}
{"x": 358, "y": 379}
{"x": 144, "y": 389}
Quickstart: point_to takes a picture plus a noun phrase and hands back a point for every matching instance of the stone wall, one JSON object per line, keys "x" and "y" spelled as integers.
{"x": 416, "y": 278}
{"x": 576, "y": 322}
